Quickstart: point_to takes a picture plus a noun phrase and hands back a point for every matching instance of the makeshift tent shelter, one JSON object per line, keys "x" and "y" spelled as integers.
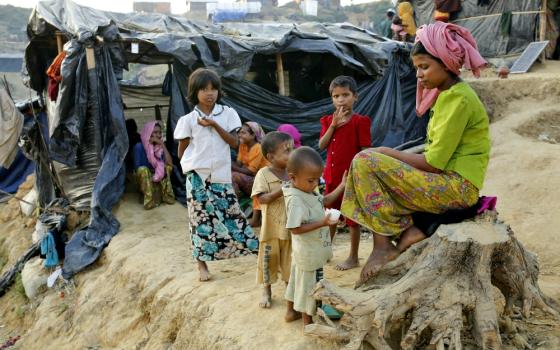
{"x": 88, "y": 136}
{"x": 500, "y": 27}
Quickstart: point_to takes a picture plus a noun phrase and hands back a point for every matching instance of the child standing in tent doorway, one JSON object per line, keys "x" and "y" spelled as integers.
{"x": 249, "y": 160}
{"x": 307, "y": 221}
{"x": 275, "y": 248}
{"x": 152, "y": 166}
{"x": 219, "y": 230}
{"x": 344, "y": 134}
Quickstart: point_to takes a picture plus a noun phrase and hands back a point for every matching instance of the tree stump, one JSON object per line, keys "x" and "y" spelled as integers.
{"x": 439, "y": 288}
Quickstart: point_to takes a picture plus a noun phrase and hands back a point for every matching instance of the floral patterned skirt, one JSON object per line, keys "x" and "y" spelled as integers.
{"x": 148, "y": 187}
{"x": 382, "y": 192}
{"x": 219, "y": 230}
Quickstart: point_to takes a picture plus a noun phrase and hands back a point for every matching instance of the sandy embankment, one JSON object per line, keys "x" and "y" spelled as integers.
{"x": 143, "y": 292}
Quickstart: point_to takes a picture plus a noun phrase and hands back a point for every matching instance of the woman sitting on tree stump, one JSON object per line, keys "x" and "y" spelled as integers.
{"x": 386, "y": 186}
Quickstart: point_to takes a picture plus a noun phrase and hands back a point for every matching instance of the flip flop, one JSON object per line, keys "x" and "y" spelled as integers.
{"x": 331, "y": 312}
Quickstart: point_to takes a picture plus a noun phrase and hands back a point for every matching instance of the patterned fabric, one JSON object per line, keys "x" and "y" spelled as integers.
{"x": 219, "y": 230}
{"x": 242, "y": 183}
{"x": 275, "y": 257}
{"x": 382, "y": 193}
{"x": 257, "y": 130}
{"x": 148, "y": 187}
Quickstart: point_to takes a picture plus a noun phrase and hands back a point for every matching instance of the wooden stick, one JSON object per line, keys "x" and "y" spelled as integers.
{"x": 498, "y": 14}
{"x": 542, "y": 34}
{"x": 280, "y": 74}
{"x": 59, "y": 43}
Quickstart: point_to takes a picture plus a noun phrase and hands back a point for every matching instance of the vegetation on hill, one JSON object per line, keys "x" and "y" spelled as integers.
{"x": 13, "y": 22}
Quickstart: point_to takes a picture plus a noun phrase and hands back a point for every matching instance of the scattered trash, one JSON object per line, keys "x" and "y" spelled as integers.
{"x": 547, "y": 138}
{"x": 10, "y": 342}
{"x": 53, "y": 277}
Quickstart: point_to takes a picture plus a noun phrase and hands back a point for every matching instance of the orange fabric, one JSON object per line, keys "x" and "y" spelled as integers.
{"x": 441, "y": 16}
{"x": 54, "y": 70}
{"x": 406, "y": 13}
{"x": 252, "y": 158}
{"x": 256, "y": 204}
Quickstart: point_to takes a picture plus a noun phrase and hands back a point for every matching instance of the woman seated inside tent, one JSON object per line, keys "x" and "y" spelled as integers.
{"x": 152, "y": 166}
{"x": 386, "y": 186}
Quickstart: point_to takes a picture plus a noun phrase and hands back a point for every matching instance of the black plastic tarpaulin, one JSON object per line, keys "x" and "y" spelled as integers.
{"x": 89, "y": 137}
{"x": 483, "y": 20}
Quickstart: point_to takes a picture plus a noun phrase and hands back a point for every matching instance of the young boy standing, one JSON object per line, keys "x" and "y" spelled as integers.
{"x": 344, "y": 134}
{"x": 307, "y": 221}
{"x": 275, "y": 249}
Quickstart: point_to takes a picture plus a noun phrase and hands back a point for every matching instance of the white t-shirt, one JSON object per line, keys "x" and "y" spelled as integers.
{"x": 207, "y": 154}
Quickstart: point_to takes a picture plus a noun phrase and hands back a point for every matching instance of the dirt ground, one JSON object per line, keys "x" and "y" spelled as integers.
{"x": 143, "y": 293}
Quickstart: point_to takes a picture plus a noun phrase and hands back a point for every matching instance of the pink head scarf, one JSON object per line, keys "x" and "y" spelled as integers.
{"x": 257, "y": 130}
{"x": 455, "y": 47}
{"x": 154, "y": 153}
{"x": 293, "y": 132}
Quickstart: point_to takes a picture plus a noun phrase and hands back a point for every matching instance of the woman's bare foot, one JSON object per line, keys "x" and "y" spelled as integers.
{"x": 291, "y": 314}
{"x": 266, "y": 298}
{"x": 204, "y": 274}
{"x": 348, "y": 264}
{"x": 378, "y": 258}
{"x": 409, "y": 237}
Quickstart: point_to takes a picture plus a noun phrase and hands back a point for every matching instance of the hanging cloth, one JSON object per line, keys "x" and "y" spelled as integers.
{"x": 505, "y": 23}
{"x": 54, "y": 76}
{"x": 48, "y": 249}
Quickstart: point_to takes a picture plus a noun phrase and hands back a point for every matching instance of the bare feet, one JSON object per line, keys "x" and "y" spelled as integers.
{"x": 204, "y": 274}
{"x": 377, "y": 259}
{"x": 409, "y": 237}
{"x": 291, "y": 314}
{"x": 307, "y": 319}
{"x": 266, "y": 298}
{"x": 348, "y": 264}
{"x": 352, "y": 260}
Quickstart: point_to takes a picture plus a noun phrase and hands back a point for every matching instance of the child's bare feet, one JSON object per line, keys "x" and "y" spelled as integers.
{"x": 307, "y": 319}
{"x": 266, "y": 298}
{"x": 204, "y": 274}
{"x": 352, "y": 260}
{"x": 291, "y": 314}
{"x": 348, "y": 264}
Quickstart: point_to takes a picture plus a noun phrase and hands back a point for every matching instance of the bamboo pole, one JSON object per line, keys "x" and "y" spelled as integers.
{"x": 542, "y": 34}
{"x": 59, "y": 43}
{"x": 280, "y": 74}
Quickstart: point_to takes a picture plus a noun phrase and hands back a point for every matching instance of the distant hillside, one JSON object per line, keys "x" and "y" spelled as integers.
{"x": 13, "y": 23}
{"x": 13, "y": 20}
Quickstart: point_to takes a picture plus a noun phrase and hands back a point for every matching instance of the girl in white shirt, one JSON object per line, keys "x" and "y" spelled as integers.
{"x": 219, "y": 230}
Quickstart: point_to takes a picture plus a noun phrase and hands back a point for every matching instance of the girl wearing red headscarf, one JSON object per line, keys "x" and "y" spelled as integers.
{"x": 386, "y": 186}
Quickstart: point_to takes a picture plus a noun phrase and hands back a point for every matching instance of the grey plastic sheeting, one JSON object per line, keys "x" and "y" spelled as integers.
{"x": 486, "y": 30}
{"x": 229, "y": 48}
